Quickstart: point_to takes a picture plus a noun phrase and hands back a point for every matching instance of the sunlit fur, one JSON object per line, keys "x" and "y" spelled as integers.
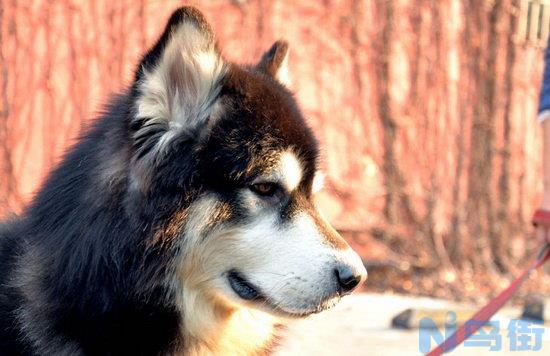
{"x": 283, "y": 73}
{"x": 151, "y": 236}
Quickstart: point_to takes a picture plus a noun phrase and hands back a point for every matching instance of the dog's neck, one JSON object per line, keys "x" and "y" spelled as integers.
{"x": 213, "y": 328}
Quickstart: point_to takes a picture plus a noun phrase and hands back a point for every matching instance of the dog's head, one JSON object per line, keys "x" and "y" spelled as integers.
{"x": 228, "y": 145}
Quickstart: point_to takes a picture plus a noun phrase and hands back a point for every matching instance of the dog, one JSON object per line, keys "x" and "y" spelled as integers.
{"x": 182, "y": 222}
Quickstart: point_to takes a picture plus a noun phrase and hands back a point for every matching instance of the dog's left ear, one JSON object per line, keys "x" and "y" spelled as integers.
{"x": 275, "y": 62}
{"x": 177, "y": 83}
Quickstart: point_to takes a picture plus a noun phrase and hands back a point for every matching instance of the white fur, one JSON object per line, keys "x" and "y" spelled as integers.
{"x": 291, "y": 264}
{"x": 290, "y": 169}
{"x": 318, "y": 182}
{"x": 283, "y": 73}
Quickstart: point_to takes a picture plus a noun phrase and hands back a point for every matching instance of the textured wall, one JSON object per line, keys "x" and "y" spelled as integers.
{"x": 426, "y": 109}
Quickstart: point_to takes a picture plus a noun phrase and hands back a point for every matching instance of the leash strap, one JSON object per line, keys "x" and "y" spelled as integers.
{"x": 484, "y": 314}
{"x": 541, "y": 217}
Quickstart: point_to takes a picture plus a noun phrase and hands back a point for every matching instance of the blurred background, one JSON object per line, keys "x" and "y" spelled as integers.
{"x": 426, "y": 110}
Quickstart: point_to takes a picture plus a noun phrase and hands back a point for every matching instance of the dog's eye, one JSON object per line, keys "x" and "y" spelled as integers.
{"x": 266, "y": 189}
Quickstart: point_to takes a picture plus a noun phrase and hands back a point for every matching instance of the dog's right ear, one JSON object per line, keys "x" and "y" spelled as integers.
{"x": 274, "y": 62}
{"x": 176, "y": 87}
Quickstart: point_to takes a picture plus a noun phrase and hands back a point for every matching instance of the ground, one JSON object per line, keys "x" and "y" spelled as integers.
{"x": 360, "y": 325}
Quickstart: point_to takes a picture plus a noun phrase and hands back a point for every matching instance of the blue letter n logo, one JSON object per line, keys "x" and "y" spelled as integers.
{"x": 428, "y": 331}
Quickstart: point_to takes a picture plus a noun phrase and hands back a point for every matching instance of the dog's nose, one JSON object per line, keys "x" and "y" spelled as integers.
{"x": 348, "y": 278}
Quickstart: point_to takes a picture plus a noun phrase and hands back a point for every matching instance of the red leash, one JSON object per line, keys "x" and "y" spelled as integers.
{"x": 484, "y": 314}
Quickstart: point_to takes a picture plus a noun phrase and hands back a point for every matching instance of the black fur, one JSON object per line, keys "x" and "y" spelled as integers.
{"x": 87, "y": 260}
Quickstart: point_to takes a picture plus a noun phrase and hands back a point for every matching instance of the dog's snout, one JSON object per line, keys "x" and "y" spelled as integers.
{"x": 348, "y": 278}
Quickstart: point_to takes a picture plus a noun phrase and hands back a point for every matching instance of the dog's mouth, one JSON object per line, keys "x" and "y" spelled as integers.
{"x": 249, "y": 292}
{"x": 244, "y": 289}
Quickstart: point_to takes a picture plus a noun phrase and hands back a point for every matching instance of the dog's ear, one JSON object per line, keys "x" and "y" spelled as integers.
{"x": 177, "y": 82}
{"x": 175, "y": 90}
{"x": 275, "y": 62}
